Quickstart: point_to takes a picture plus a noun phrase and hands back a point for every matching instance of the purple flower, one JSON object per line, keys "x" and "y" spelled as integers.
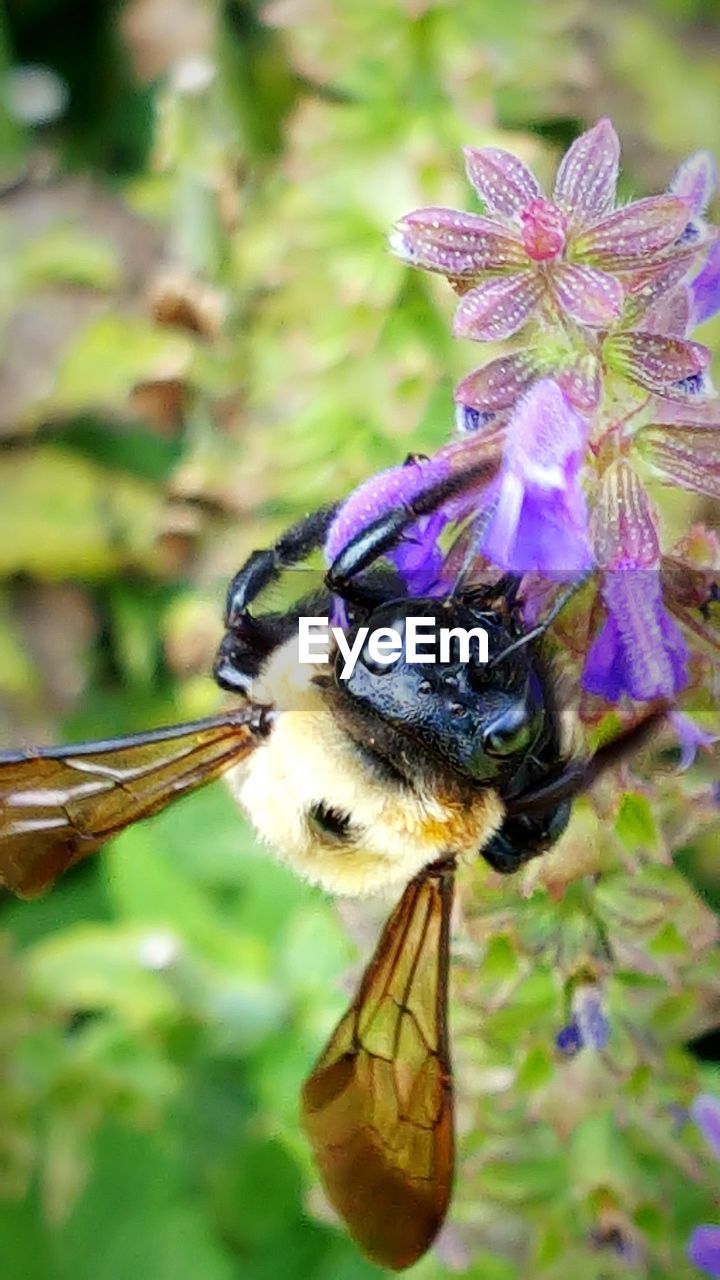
{"x": 705, "y": 1111}
{"x": 704, "y": 1250}
{"x": 528, "y": 252}
{"x": 588, "y": 1027}
{"x": 692, "y": 739}
{"x": 539, "y": 519}
{"x": 704, "y": 1244}
{"x": 569, "y": 1039}
{"x": 418, "y": 557}
{"x": 640, "y": 650}
{"x": 589, "y": 1010}
{"x": 669, "y": 367}
{"x": 381, "y": 493}
{"x": 696, "y": 180}
{"x": 705, "y": 288}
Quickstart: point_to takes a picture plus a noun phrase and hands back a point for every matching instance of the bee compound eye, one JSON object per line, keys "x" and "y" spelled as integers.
{"x": 511, "y": 732}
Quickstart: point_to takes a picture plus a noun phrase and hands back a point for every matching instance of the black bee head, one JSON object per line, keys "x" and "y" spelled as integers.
{"x": 479, "y": 718}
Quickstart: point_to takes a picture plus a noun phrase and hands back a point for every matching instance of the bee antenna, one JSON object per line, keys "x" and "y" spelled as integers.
{"x": 536, "y": 632}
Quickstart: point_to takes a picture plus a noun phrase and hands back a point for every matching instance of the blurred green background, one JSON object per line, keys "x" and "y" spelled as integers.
{"x": 203, "y": 336}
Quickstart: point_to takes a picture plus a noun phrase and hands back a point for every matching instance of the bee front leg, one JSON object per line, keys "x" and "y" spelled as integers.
{"x": 250, "y": 639}
{"x": 524, "y": 837}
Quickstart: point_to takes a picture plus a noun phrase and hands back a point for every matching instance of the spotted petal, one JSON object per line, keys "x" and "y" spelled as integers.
{"x": 686, "y": 455}
{"x": 587, "y": 177}
{"x": 654, "y": 361}
{"x": 497, "y": 309}
{"x": 645, "y": 289}
{"x": 454, "y": 243}
{"x": 498, "y": 384}
{"x": 589, "y": 296}
{"x": 628, "y": 236}
{"x": 625, "y": 525}
{"x": 581, "y": 382}
{"x": 501, "y": 179}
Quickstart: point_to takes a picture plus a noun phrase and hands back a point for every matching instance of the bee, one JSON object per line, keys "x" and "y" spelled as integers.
{"x": 389, "y": 778}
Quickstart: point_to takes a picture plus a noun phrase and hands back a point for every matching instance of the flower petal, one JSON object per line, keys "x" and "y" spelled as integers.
{"x": 604, "y": 670}
{"x": 541, "y": 534}
{"x": 705, "y": 1111}
{"x": 704, "y": 1250}
{"x": 670, "y": 316}
{"x": 705, "y": 288}
{"x": 582, "y": 384}
{"x": 497, "y": 309}
{"x": 498, "y": 384}
{"x": 627, "y": 236}
{"x": 501, "y": 180}
{"x": 587, "y": 177}
{"x": 625, "y": 525}
{"x": 540, "y": 519}
{"x": 455, "y": 243}
{"x": 589, "y": 1009}
{"x": 640, "y": 650}
{"x": 545, "y": 437}
{"x": 696, "y": 180}
{"x": 645, "y": 289}
{"x": 654, "y": 361}
{"x": 684, "y": 455}
{"x": 418, "y": 558}
{"x": 569, "y": 1039}
{"x": 693, "y": 739}
{"x": 379, "y": 494}
{"x": 589, "y": 296}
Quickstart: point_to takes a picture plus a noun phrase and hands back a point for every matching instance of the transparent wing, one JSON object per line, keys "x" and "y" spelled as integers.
{"x": 59, "y": 804}
{"x": 378, "y": 1108}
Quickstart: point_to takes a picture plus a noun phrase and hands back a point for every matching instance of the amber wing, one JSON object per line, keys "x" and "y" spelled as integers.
{"x": 378, "y": 1108}
{"x": 59, "y": 804}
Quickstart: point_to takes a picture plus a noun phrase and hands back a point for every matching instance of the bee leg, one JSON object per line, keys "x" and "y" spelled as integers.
{"x": 263, "y": 567}
{"x": 383, "y": 533}
{"x": 245, "y": 649}
{"x": 525, "y": 837}
{"x": 249, "y": 640}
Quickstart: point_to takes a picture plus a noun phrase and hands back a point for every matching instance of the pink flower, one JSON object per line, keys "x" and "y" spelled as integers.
{"x": 528, "y": 252}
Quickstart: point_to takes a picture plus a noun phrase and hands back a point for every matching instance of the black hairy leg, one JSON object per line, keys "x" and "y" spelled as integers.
{"x": 250, "y": 640}
{"x": 525, "y": 837}
{"x": 383, "y": 533}
{"x": 263, "y": 567}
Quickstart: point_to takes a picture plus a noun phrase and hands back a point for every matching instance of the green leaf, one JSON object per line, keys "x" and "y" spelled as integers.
{"x": 635, "y": 824}
{"x": 522, "y": 1181}
{"x": 91, "y": 967}
{"x": 145, "y": 885}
